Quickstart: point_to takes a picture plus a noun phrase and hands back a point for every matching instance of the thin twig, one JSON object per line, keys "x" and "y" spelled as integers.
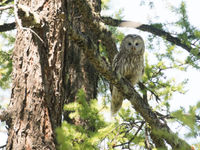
{"x": 147, "y": 141}
{"x": 148, "y": 89}
{"x": 122, "y": 144}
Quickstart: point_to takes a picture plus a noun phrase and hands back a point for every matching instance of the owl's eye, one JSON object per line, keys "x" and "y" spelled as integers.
{"x": 136, "y": 44}
{"x": 129, "y": 44}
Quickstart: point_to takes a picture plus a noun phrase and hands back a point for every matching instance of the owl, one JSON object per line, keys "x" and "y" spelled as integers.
{"x": 128, "y": 63}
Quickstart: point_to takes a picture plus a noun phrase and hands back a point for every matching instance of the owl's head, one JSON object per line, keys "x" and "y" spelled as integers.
{"x": 133, "y": 43}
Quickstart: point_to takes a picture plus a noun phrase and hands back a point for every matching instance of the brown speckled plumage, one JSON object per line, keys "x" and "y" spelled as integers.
{"x": 128, "y": 63}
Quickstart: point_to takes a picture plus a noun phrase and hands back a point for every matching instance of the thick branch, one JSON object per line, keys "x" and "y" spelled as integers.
{"x": 7, "y": 27}
{"x": 148, "y": 28}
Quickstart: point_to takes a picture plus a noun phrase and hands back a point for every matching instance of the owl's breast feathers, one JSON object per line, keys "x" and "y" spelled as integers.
{"x": 130, "y": 66}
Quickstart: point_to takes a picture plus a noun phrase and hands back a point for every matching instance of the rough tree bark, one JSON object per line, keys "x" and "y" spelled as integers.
{"x": 38, "y": 91}
{"x": 79, "y": 71}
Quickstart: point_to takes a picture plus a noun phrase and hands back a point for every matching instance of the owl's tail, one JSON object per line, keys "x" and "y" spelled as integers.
{"x": 116, "y": 101}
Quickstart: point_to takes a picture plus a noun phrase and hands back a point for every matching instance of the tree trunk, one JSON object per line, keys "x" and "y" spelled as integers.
{"x": 48, "y": 70}
{"x": 38, "y": 91}
{"x": 80, "y": 73}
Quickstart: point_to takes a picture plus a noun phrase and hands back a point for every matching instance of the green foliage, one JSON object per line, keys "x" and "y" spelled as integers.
{"x": 90, "y": 128}
{"x": 90, "y": 131}
{"x": 6, "y": 45}
{"x": 116, "y": 33}
{"x": 5, "y": 59}
{"x": 183, "y": 22}
{"x": 158, "y": 85}
{"x": 189, "y": 119}
{"x": 189, "y": 35}
{"x": 5, "y": 69}
{"x": 104, "y": 4}
{"x": 127, "y": 132}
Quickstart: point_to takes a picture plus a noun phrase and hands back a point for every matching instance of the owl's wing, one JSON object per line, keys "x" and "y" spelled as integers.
{"x": 117, "y": 61}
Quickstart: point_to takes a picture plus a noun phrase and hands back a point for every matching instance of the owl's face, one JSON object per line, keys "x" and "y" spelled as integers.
{"x": 133, "y": 43}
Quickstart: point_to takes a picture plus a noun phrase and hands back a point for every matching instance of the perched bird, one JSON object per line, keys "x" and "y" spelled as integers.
{"x": 128, "y": 63}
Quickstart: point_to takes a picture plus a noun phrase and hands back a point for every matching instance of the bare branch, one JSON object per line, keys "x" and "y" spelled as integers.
{"x": 148, "y": 28}
{"x": 7, "y": 27}
{"x": 6, "y": 7}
